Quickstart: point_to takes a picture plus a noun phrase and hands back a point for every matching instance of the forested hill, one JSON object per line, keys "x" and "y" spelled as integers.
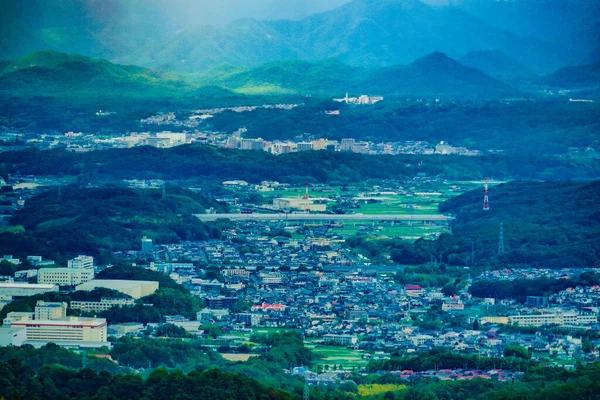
{"x": 96, "y": 221}
{"x": 201, "y": 164}
{"x": 435, "y": 74}
{"x": 546, "y": 224}
{"x": 55, "y": 74}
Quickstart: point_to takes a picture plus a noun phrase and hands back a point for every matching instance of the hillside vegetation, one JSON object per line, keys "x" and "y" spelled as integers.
{"x": 434, "y": 74}
{"x": 203, "y": 164}
{"x": 545, "y": 224}
{"x": 97, "y": 221}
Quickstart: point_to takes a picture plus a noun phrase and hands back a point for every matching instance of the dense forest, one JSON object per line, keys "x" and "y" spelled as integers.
{"x": 25, "y": 379}
{"x": 97, "y": 221}
{"x": 199, "y": 164}
{"x": 545, "y": 224}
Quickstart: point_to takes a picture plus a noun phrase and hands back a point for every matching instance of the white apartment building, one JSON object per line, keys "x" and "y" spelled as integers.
{"x": 102, "y": 305}
{"x": 65, "y": 276}
{"x": 80, "y": 262}
{"x": 567, "y": 318}
{"x": 79, "y": 270}
{"x": 46, "y": 310}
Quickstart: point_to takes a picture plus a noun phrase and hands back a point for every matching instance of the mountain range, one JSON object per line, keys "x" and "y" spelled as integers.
{"x": 361, "y": 33}
{"x": 477, "y": 75}
{"x": 50, "y": 73}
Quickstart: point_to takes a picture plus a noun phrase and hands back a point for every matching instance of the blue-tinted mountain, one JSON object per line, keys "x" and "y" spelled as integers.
{"x": 366, "y": 33}
{"x": 575, "y": 77}
{"x": 435, "y": 74}
{"x": 174, "y": 34}
{"x": 499, "y": 65}
{"x": 572, "y": 23}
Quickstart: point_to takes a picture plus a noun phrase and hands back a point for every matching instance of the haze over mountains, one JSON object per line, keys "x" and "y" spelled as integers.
{"x": 182, "y": 35}
{"x": 50, "y": 73}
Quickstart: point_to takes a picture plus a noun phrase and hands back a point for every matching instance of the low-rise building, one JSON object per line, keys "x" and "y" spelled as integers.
{"x": 342, "y": 340}
{"x": 135, "y": 289}
{"x": 25, "y": 289}
{"x": 106, "y": 303}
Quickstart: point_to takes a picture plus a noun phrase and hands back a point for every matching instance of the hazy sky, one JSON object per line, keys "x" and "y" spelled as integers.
{"x": 219, "y": 12}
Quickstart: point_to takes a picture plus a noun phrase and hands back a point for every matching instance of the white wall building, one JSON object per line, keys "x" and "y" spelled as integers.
{"x": 25, "y": 289}
{"x": 47, "y": 310}
{"x": 65, "y": 331}
{"x": 81, "y": 262}
{"x": 12, "y": 336}
{"x": 135, "y": 289}
{"x": 102, "y": 305}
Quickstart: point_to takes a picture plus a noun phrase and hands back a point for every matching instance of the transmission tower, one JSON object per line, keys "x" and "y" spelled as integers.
{"x": 164, "y": 190}
{"x": 59, "y": 196}
{"x": 486, "y": 201}
{"x": 501, "y": 240}
{"x": 472, "y": 252}
{"x": 306, "y": 394}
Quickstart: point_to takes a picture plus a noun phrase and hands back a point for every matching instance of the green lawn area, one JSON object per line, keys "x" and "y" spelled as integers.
{"x": 334, "y": 355}
{"x": 402, "y": 230}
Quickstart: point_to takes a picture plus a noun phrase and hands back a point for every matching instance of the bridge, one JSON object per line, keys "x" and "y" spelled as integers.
{"x": 327, "y": 217}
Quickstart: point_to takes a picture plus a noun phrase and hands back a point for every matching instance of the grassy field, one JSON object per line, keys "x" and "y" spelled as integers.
{"x": 334, "y": 355}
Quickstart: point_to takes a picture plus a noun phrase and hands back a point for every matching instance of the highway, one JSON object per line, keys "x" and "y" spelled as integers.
{"x": 326, "y": 217}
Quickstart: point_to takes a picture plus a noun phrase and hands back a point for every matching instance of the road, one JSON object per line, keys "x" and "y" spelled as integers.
{"x": 326, "y": 217}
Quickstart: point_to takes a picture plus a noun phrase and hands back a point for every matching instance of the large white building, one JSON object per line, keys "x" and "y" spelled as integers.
{"x": 53, "y": 326}
{"x": 12, "y": 336}
{"x": 65, "y": 276}
{"x": 135, "y": 289}
{"x": 47, "y": 310}
{"x": 25, "y": 289}
{"x": 81, "y": 262}
{"x": 79, "y": 270}
{"x": 102, "y": 305}
{"x": 559, "y": 318}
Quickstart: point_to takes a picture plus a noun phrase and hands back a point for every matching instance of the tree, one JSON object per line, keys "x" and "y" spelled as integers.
{"x": 512, "y": 350}
{"x": 587, "y": 346}
{"x": 449, "y": 290}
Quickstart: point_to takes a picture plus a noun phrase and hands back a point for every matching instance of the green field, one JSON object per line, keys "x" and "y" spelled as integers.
{"x": 398, "y": 230}
{"x": 334, "y": 355}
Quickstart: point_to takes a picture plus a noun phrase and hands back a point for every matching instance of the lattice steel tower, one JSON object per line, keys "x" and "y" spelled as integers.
{"x": 501, "y": 240}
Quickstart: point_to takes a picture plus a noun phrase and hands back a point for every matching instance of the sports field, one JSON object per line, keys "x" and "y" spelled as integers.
{"x": 329, "y": 356}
